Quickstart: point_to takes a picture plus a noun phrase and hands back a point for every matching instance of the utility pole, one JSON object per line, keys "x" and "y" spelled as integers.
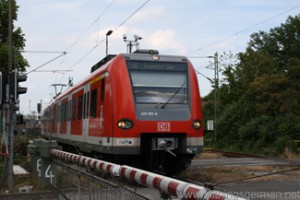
{"x": 8, "y": 105}
{"x": 216, "y": 67}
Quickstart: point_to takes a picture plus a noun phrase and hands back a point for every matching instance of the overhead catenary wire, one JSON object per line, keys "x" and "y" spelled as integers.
{"x": 54, "y": 71}
{"x": 62, "y": 54}
{"x": 100, "y": 42}
{"x": 69, "y": 49}
{"x": 46, "y": 52}
{"x": 248, "y": 28}
{"x": 114, "y": 30}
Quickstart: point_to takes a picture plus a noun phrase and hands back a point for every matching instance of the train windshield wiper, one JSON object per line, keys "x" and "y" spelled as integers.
{"x": 174, "y": 94}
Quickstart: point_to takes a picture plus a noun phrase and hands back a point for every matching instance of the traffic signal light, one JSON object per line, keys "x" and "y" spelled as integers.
{"x": 20, "y": 119}
{"x": 15, "y": 89}
{"x": 1, "y": 88}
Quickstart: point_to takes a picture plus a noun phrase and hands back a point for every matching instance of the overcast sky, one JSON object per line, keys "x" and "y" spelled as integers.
{"x": 190, "y": 28}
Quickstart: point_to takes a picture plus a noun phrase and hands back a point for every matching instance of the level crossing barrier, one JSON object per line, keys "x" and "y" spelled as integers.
{"x": 71, "y": 181}
{"x": 177, "y": 188}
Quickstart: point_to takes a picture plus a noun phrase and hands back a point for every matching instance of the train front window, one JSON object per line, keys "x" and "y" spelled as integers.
{"x": 159, "y": 82}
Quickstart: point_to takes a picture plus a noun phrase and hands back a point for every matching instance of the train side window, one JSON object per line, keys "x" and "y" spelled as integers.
{"x": 84, "y": 105}
{"x": 87, "y": 104}
{"x": 102, "y": 89}
{"x": 63, "y": 112}
{"x": 69, "y": 109}
{"x": 74, "y": 108}
{"x": 61, "y": 108}
{"x": 93, "y": 105}
{"x": 80, "y": 104}
{"x": 57, "y": 113}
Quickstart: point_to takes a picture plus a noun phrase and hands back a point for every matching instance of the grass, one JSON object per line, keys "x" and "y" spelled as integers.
{"x": 224, "y": 174}
{"x": 208, "y": 156}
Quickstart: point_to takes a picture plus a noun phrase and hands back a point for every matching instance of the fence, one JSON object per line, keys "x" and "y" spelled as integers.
{"x": 72, "y": 181}
{"x": 76, "y": 183}
{"x": 168, "y": 185}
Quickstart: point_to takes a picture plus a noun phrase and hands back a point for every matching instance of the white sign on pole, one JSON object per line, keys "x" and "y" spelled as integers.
{"x": 210, "y": 125}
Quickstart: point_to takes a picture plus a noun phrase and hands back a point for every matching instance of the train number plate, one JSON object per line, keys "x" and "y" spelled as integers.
{"x": 163, "y": 126}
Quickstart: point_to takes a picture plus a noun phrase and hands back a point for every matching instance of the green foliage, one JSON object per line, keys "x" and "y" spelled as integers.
{"x": 260, "y": 98}
{"x": 18, "y": 39}
{"x": 20, "y": 149}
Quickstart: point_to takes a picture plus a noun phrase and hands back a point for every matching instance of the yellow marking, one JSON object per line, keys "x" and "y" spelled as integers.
{"x": 99, "y": 77}
{"x": 95, "y": 79}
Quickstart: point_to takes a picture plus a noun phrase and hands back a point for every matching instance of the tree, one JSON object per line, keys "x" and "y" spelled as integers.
{"x": 18, "y": 39}
{"x": 260, "y": 96}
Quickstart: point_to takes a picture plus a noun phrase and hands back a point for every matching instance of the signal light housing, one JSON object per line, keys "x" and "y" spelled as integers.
{"x": 125, "y": 124}
{"x": 197, "y": 124}
{"x": 15, "y": 89}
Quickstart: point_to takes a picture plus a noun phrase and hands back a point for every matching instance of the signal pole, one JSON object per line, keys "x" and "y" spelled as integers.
{"x": 8, "y": 105}
{"x": 216, "y": 66}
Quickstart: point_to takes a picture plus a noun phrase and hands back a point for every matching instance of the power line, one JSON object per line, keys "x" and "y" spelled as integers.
{"x": 122, "y": 23}
{"x": 88, "y": 28}
{"x": 132, "y": 14}
{"x": 97, "y": 44}
{"x": 24, "y": 51}
{"x": 54, "y": 71}
{"x": 62, "y": 54}
{"x": 80, "y": 36}
{"x": 250, "y": 27}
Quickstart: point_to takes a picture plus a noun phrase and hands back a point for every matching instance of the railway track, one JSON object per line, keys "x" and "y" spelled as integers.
{"x": 232, "y": 154}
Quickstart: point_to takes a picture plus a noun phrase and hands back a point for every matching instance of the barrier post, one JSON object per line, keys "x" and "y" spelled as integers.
{"x": 48, "y": 171}
{"x": 41, "y": 160}
{"x": 33, "y": 151}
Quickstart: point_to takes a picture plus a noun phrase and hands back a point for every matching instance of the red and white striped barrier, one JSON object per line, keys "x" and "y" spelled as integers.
{"x": 171, "y": 186}
{"x": 100, "y": 165}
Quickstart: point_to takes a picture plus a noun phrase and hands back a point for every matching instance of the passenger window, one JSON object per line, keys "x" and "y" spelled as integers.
{"x": 93, "y": 106}
{"x": 80, "y": 104}
{"x": 74, "y": 108}
{"x": 69, "y": 110}
{"x": 87, "y": 104}
{"x": 84, "y": 106}
{"x": 102, "y": 89}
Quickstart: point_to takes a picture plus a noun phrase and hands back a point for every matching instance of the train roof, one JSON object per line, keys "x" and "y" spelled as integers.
{"x": 153, "y": 55}
{"x": 140, "y": 54}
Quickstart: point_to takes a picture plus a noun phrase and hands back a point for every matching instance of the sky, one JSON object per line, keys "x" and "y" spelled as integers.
{"x": 196, "y": 29}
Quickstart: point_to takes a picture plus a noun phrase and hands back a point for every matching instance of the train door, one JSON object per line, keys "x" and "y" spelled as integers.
{"x": 63, "y": 116}
{"x": 69, "y": 111}
{"x": 77, "y": 113}
{"x": 58, "y": 117}
{"x": 54, "y": 121}
{"x": 86, "y": 98}
{"x": 100, "y": 115}
{"x": 95, "y": 129}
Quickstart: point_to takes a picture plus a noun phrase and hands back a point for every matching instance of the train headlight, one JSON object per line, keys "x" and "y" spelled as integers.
{"x": 125, "y": 124}
{"x": 197, "y": 124}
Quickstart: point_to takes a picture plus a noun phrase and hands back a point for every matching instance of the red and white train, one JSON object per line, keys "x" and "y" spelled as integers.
{"x": 141, "y": 108}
